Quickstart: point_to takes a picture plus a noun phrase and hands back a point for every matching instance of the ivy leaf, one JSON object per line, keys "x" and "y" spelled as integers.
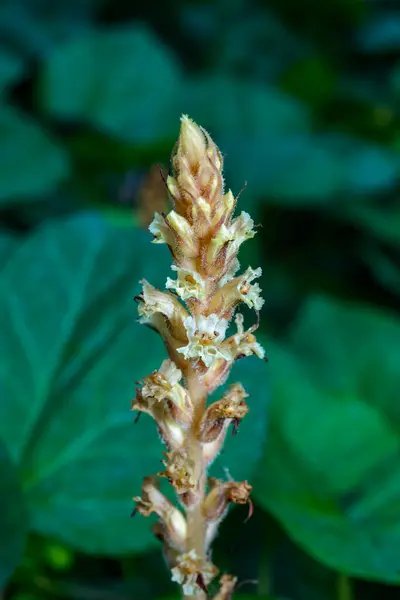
{"x": 30, "y": 162}
{"x": 101, "y": 78}
{"x": 72, "y": 354}
{"x": 13, "y": 517}
{"x": 332, "y": 455}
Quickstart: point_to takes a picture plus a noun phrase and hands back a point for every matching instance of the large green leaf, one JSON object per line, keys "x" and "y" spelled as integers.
{"x": 13, "y": 517}
{"x": 120, "y": 80}
{"x": 331, "y": 469}
{"x": 30, "y": 162}
{"x": 72, "y": 350}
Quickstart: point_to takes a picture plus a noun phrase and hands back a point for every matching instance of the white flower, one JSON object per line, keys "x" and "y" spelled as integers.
{"x": 245, "y": 342}
{"x": 250, "y": 294}
{"x": 205, "y": 335}
{"x": 188, "y": 285}
{"x": 240, "y": 230}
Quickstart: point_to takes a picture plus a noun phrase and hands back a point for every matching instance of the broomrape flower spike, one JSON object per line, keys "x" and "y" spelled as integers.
{"x": 203, "y": 238}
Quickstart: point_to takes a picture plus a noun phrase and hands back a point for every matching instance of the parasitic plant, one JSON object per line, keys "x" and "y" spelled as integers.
{"x": 193, "y": 317}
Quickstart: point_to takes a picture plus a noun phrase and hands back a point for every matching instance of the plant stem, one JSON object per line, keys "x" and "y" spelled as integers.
{"x": 344, "y": 587}
{"x": 196, "y": 525}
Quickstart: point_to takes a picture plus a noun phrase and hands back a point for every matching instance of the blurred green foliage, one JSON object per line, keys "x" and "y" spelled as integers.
{"x": 304, "y": 101}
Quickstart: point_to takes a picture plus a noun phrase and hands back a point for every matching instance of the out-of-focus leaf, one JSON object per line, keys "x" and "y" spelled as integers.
{"x": 382, "y": 222}
{"x": 321, "y": 168}
{"x": 35, "y": 27}
{"x": 13, "y": 517}
{"x": 331, "y": 469}
{"x": 8, "y": 244}
{"x": 229, "y": 106}
{"x": 30, "y": 162}
{"x": 384, "y": 268}
{"x": 381, "y": 34}
{"x": 71, "y": 354}
{"x": 11, "y": 68}
{"x": 312, "y": 80}
{"x": 266, "y": 138}
{"x": 120, "y": 80}
{"x": 74, "y": 350}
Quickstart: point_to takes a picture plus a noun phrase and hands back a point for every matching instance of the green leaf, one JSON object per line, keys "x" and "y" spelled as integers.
{"x": 331, "y": 468}
{"x": 380, "y": 221}
{"x": 13, "y": 517}
{"x": 227, "y": 105}
{"x": 322, "y": 168}
{"x": 381, "y": 34}
{"x": 101, "y": 77}
{"x": 30, "y": 162}
{"x": 385, "y": 269}
{"x": 266, "y": 134}
{"x": 11, "y": 69}
{"x": 8, "y": 244}
{"x": 73, "y": 352}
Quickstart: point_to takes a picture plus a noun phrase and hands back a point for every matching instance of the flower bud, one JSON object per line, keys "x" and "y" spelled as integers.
{"x": 162, "y": 233}
{"x": 224, "y": 210}
{"x": 185, "y": 236}
{"x": 153, "y": 501}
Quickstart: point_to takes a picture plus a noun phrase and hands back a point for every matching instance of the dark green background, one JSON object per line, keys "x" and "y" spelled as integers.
{"x": 303, "y": 98}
